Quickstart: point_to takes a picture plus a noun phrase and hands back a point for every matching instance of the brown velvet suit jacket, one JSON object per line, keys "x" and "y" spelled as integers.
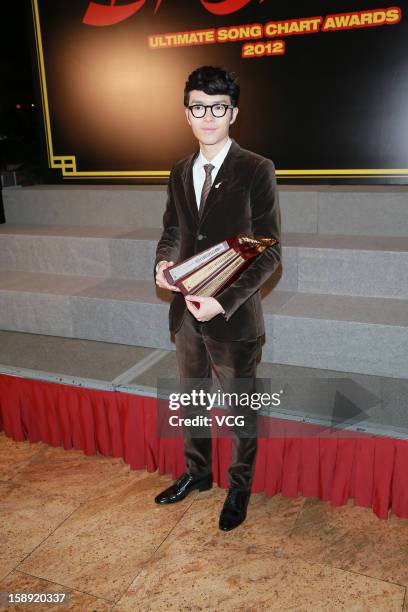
{"x": 245, "y": 201}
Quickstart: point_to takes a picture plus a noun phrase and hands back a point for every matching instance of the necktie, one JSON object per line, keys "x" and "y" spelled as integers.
{"x": 206, "y": 187}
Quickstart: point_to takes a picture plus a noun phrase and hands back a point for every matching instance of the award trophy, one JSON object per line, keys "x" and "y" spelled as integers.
{"x": 208, "y": 272}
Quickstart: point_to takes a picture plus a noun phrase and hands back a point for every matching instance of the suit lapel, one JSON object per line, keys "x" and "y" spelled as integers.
{"x": 224, "y": 174}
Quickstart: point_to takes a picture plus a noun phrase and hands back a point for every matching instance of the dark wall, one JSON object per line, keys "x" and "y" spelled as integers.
{"x": 335, "y": 101}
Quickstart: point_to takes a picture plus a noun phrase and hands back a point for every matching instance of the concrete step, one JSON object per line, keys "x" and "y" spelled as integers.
{"x": 118, "y": 252}
{"x": 337, "y": 332}
{"x": 374, "y": 266}
{"x": 324, "y": 209}
{"x": 92, "y": 308}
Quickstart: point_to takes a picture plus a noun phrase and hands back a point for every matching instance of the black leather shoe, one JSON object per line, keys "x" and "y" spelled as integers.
{"x": 182, "y": 487}
{"x": 234, "y": 509}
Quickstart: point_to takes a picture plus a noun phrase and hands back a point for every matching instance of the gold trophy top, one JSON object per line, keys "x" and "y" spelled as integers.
{"x": 258, "y": 243}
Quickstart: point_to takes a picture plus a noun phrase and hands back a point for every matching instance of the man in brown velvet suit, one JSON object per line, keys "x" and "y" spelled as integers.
{"x": 220, "y": 191}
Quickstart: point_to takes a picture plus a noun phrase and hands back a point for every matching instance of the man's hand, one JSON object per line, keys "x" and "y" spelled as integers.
{"x": 160, "y": 280}
{"x": 209, "y": 307}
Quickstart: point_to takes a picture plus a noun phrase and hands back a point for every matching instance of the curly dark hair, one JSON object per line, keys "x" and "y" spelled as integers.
{"x": 213, "y": 80}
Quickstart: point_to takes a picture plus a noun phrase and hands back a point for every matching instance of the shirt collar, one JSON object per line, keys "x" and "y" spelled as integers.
{"x": 219, "y": 158}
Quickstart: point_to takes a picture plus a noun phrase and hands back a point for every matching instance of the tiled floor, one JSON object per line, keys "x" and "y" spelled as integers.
{"x": 89, "y": 526}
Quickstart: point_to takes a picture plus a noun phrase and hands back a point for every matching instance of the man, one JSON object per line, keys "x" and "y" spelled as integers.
{"x": 220, "y": 191}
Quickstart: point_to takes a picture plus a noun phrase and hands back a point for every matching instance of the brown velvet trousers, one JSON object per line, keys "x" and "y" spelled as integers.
{"x": 196, "y": 353}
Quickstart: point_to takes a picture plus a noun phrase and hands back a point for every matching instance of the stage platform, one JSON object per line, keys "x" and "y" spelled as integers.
{"x": 84, "y": 336}
{"x": 77, "y": 261}
{"x": 375, "y": 405}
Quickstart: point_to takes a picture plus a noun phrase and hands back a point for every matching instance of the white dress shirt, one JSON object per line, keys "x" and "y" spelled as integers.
{"x": 199, "y": 172}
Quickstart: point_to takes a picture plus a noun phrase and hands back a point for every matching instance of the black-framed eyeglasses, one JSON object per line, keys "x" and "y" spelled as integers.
{"x": 218, "y": 110}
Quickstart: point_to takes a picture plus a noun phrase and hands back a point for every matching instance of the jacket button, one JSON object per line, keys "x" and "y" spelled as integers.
{"x": 201, "y": 236}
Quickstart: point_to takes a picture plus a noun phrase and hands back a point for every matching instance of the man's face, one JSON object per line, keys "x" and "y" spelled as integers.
{"x": 210, "y": 130}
